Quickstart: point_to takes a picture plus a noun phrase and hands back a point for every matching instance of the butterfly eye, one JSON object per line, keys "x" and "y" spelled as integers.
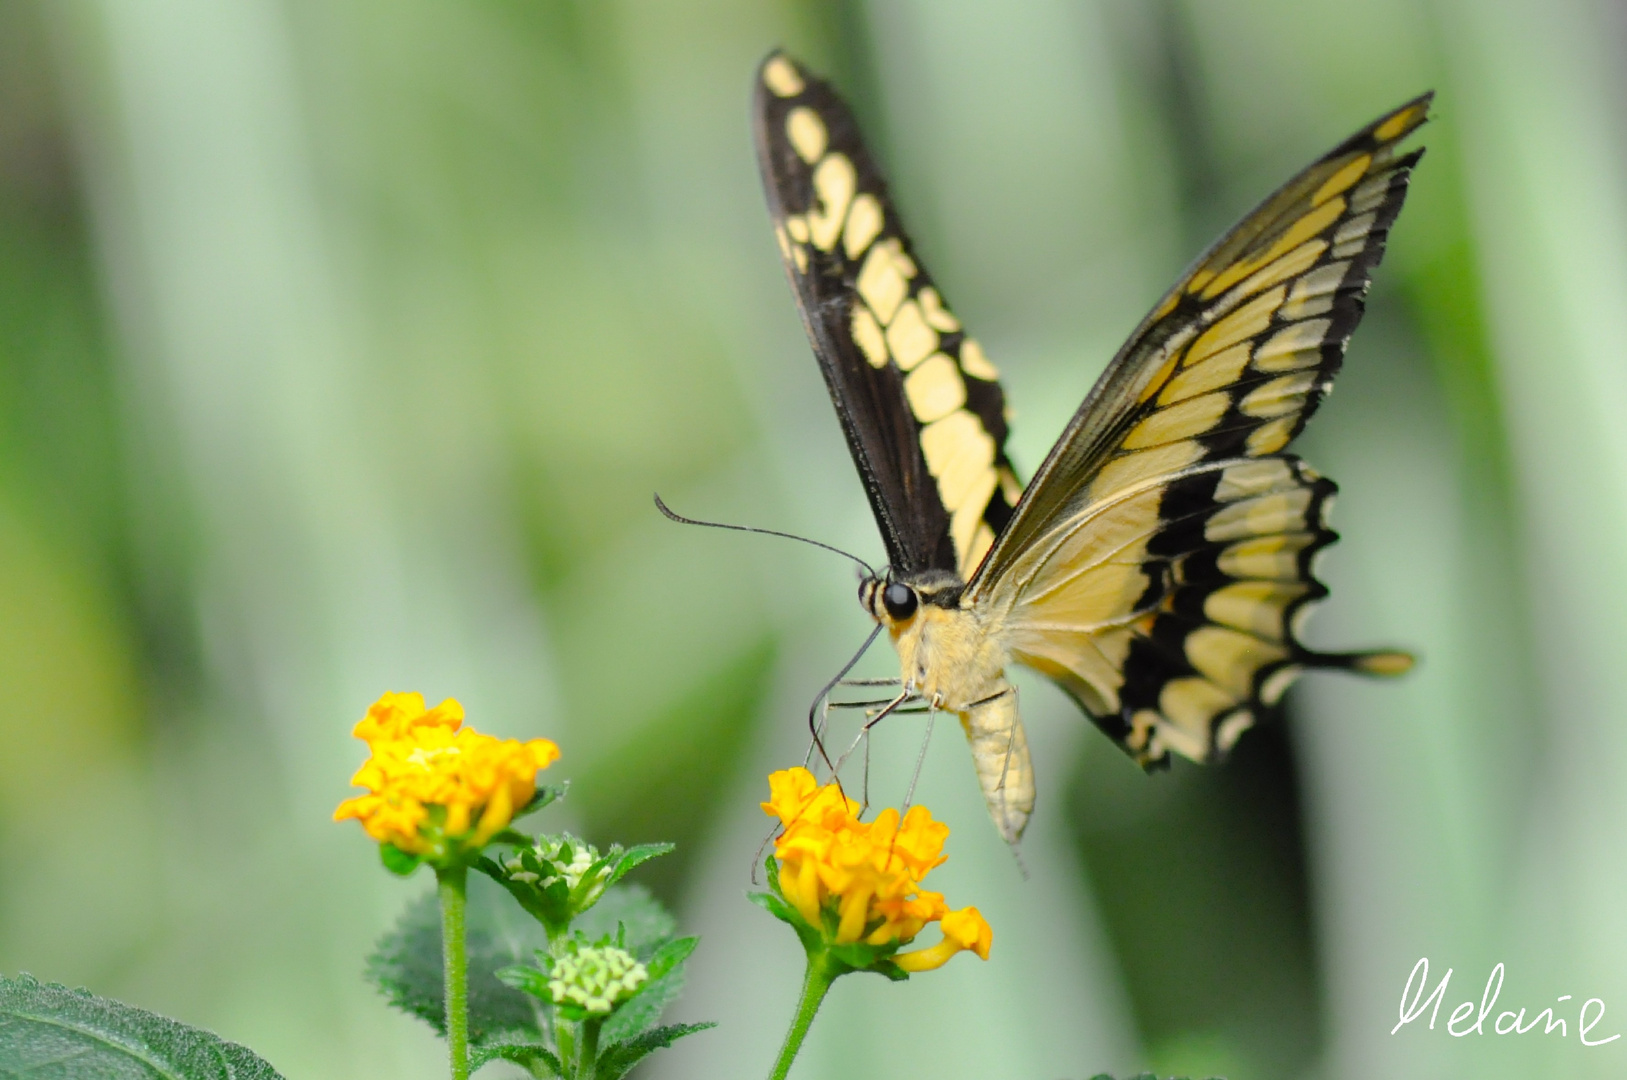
{"x": 900, "y": 601}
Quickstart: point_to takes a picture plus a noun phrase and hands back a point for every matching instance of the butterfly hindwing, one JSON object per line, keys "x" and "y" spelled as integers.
{"x": 920, "y": 404}
{"x": 1160, "y": 557}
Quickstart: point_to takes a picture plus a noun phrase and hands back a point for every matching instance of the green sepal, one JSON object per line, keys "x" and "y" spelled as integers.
{"x": 527, "y": 980}
{"x": 812, "y": 939}
{"x": 398, "y": 862}
{"x": 615, "y": 1061}
{"x": 859, "y": 956}
{"x": 527, "y": 1056}
{"x": 47, "y": 1029}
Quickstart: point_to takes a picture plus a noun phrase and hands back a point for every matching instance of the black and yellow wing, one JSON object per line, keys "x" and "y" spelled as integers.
{"x": 919, "y": 402}
{"x": 1160, "y": 561}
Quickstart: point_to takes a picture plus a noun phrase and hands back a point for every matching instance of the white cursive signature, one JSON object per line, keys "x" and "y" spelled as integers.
{"x": 1413, "y": 1009}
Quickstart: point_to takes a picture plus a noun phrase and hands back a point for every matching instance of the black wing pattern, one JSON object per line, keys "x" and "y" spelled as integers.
{"x": 1160, "y": 562}
{"x": 920, "y": 404}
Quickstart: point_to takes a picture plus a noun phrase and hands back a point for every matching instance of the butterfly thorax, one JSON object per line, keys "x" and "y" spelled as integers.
{"x": 946, "y": 655}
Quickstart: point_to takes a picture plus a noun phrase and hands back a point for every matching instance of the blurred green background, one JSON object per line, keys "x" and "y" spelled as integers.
{"x": 342, "y": 344}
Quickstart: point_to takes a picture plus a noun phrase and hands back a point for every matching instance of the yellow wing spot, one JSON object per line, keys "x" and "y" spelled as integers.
{"x": 1295, "y": 262}
{"x": 1386, "y": 663}
{"x": 1259, "y": 517}
{"x": 780, "y": 76}
{"x": 882, "y": 280}
{"x": 1279, "y": 397}
{"x": 957, "y": 451}
{"x": 807, "y": 133}
{"x": 864, "y": 224}
{"x": 982, "y": 540}
{"x": 1199, "y": 280}
{"x": 975, "y": 363}
{"x": 1167, "y": 306}
{"x": 1245, "y": 322}
{"x": 1253, "y": 606}
{"x": 1229, "y": 658}
{"x": 1221, "y": 369}
{"x": 834, "y": 182}
{"x": 784, "y": 240}
{"x": 1307, "y": 226}
{"x": 1292, "y": 347}
{"x": 1370, "y": 194}
{"x": 1270, "y": 437}
{"x": 1397, "y": 125}
{"x": 1251, "y": 478}
{"x": 909, "y": 338}
{"x": 1172, "y": 360}
{"x": 797, "y": 227}
{"x": 1009, "y": 487}
{"x": 1269, "y": 558}
{"x": 1231, "y": 729}
{"x": 800, "y": 254}
{"x": 935, "y": 390}
{"x": 1277, "y": 683}
{"x": 1313, "y": 293}
{"x": 1138, "y": 465}
{"x": 1336, "y": 184}
{"x": 1189, "y": 705}
{"x": 936, "y": 314}
{"x": 1191, "y": 417}
{"x": 867, "y": 333}
{"x": 966, "y": 522}
{"x": 1351, "y": 237}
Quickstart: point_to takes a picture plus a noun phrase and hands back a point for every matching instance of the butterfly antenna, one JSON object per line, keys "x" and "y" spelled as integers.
{"x": 680, "y": 519}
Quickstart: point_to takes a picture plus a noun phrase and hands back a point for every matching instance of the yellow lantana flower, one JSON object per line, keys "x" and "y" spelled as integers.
{"x": 867, "y": 874}
{"x": 435, "y": 786}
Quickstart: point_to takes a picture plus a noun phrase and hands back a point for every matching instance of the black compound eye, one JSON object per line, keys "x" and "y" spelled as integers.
{"x": 900, "y": 601}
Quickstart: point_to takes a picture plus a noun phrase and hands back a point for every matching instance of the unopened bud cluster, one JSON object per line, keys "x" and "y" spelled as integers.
{"x": 596, "y": 978}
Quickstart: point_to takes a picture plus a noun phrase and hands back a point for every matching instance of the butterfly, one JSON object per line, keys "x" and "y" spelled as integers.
{"x": 1158, "y": 567}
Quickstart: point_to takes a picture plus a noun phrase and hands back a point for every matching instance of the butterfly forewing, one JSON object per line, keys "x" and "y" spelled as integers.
{"x": 1158, "y": 562}
{"x": 919, "y": 402}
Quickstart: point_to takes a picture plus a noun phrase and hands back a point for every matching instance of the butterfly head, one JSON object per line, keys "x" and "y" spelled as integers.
{"x": 893, "y": 601}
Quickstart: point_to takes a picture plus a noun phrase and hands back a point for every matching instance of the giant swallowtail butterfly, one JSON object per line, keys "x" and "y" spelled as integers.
{"x": 1158, "y": 566}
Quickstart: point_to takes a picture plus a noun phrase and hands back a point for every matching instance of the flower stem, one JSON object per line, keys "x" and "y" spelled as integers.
{"x": 589, "y": 1049}
{"x": 821, "y": 973}
{"x": 453, "y": 881}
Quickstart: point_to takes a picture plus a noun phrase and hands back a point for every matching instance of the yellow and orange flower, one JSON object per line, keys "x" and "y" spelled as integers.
{"x": 868, "y": 874}
{"x": 434, "y": 785}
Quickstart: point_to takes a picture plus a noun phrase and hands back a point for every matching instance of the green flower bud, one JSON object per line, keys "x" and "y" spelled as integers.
{"x": 595, "y": 979}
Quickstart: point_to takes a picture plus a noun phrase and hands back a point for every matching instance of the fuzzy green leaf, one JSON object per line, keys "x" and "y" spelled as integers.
{"x": 406, "y": 964}
{"x": 615, "y": 1062}
{"x": 643, "y": 1010}
{"x": 528, "y": 1056}
{"x": 47, "y": 1030}
{"x": 633, "y": 856}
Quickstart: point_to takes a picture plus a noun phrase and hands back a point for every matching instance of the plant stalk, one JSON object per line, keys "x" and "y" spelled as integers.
{"x": 589, "y": 1037}
{"x": 453, "y": 886}
{"x": 821, "y": 973}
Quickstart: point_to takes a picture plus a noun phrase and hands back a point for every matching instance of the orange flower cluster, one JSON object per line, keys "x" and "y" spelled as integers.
{"x": 869, "y": 873}
{"x": 429, "y": 775}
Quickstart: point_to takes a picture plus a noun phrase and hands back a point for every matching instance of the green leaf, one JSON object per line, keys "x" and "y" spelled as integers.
{"x": 643, "y": 1010}
{"x": 618, "y": 1059}
{"x": 49, "y": 1030}
{"x": 406, "y": 964}
{"x": 397, "y": 861}
{"x": 638, "y": 853}
{"x": 529, "y": 1056}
